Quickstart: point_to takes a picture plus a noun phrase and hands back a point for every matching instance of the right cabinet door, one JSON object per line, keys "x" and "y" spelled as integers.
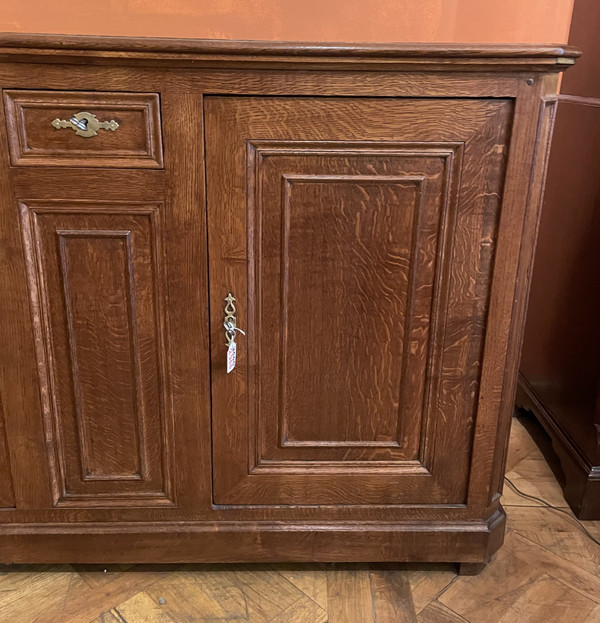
{"x": 357, "y": 237}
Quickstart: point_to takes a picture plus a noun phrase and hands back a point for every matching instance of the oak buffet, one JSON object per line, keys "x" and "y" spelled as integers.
{"x": 372, "y": 212}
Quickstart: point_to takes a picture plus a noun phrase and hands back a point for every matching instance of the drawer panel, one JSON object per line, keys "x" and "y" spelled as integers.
{"x": 116, "y": 130}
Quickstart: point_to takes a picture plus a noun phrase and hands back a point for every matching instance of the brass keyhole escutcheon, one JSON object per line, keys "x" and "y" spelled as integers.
{"x": 230, "y": 321}
{"x": 85, "y": 124}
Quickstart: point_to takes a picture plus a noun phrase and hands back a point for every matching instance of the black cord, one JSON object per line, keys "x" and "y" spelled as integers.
{"x": 565, "y": 512}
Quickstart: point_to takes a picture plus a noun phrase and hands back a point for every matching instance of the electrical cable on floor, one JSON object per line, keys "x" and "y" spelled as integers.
{"x": 565, "y": 512}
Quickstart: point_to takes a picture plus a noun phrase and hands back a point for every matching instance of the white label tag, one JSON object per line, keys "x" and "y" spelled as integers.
{"x": 231, "y": 355}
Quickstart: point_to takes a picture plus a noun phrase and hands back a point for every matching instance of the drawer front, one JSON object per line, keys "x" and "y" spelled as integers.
{"x": 84, "y": 129}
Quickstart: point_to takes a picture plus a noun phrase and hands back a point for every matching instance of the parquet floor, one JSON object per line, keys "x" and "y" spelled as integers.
{"x": 547, "y": 572}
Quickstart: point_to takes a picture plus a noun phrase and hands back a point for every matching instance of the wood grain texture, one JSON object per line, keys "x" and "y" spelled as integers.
{"x": 515, "y": 245}
{"x": 19, "y": 385}
{"x": 7, "y": 493}
{"x": 169, "y": 542}
{"x": 33, "y": 140}
{"x": 530, "y": 227}
{"x": 403, "y": 188}
{"x": 368, "y": 418}
{"x": 363, "y": 594}
{"x": 121, "y": 311}
{"x": 81, "y": 49}
{"x": 97, "y": 283}
{"x": 548, "y": 567}
{"x": 354, "y": 293}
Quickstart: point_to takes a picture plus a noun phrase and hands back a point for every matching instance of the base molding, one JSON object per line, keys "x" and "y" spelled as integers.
{"x": 581, "y": 486}
{"x": 472, "y": 542}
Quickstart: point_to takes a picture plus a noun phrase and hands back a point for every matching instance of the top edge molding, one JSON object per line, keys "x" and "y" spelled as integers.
{"x": 206, "y": 52}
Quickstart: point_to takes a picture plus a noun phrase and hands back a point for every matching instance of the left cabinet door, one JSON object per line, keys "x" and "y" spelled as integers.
{"x": 106, "y": 275}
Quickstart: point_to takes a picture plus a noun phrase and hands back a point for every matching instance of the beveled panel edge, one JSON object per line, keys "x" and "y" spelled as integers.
{"x": 52, "y": 48}
{"x": 415, "y": 181}
{"x": 61, "y": 496}
{"x": 16, "y": 101}
{"x": 129, "y": 296}
{"x": 444, "y": 149}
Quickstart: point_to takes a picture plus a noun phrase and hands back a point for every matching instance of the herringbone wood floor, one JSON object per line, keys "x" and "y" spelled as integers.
{"x": 548, "y": 571}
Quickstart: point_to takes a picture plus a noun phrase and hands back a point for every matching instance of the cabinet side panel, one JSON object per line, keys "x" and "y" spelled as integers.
{"x": 509, "y": 287}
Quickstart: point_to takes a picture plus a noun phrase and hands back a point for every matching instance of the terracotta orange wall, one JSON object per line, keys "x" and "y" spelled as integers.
{"x": 466, "y": 21}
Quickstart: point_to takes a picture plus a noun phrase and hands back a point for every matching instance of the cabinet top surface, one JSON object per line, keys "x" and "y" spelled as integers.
{"x": 205, "y": 52}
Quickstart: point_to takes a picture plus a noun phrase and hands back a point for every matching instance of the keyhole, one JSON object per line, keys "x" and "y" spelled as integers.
{"x": 80, "y": 123}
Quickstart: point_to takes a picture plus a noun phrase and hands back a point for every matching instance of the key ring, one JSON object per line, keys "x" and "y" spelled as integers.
{"x": 230, "y": 328}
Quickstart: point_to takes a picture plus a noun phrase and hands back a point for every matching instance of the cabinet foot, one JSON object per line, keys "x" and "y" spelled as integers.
{"x": 471, "y": 568}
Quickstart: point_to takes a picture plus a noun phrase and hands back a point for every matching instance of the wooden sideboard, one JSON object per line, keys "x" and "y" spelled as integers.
{"x": 369, "y": 213}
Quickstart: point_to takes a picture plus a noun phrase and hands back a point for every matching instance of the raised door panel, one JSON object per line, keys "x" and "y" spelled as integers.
{"x": 340, "y": 256}
{"x": 358, "y": 238}
{"x": 97, "y": 286}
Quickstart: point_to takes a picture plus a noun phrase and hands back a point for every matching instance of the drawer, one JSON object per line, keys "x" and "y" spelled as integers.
{"x": 84, "y": 129}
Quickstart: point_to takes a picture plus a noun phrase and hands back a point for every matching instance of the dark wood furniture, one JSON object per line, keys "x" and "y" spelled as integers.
{"x": 560, "y": 367}
{"x": 372, "y": 210}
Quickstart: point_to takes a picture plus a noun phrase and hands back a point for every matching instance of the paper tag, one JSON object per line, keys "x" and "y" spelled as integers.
{"x": 231, "y": 355}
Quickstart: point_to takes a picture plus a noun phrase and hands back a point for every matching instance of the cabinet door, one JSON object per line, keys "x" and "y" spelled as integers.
{"x": 108, "y": 279}
{"x": 357, "y": 236}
